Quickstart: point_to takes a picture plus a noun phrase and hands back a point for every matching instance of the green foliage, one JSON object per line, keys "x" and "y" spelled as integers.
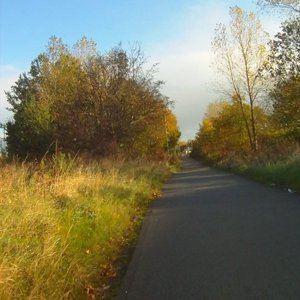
{"x": 285, "y": 68}
{"x": 65, "y": 224}
{"x": 31, "y": 131}
{"x": 285, "y": 52}
{"x": 286, "y": 105}
{"x": 82, "y": 101}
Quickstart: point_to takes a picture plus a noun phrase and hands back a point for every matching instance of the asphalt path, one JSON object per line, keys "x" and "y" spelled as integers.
{"x": 215, "y": 235}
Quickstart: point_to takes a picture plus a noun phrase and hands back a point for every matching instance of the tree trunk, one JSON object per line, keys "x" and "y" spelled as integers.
{"x": 250, "y": 137}
{"x": 253, "y": 127}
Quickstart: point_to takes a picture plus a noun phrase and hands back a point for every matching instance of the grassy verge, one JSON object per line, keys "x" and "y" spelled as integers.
{"x": 64, "y": 225}
{"x": 282, "y": 173}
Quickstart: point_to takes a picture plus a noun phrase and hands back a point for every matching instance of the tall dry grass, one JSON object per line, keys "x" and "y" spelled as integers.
{"x": 63, "y": 224}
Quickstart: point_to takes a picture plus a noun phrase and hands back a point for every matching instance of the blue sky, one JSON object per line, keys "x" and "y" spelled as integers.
{"x": 27, "y": 25}
{"x": 175, "y": 33}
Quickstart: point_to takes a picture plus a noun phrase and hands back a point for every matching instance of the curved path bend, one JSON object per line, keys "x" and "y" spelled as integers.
{"x": 214, "y": 235}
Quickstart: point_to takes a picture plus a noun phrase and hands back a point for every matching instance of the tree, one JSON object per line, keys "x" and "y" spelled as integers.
{"x": 85, "y": 50}
{"x": 82, "y": 101}
{"x": 222, "y": 134}
{"x": 284, "y": 58}
{"x": 172, "y": 131}
{"x": 286, "y": 107}
{"x": 240, "y": 54}
{"x": 292, "y": 6}
{"x": 284, "y": 66}
{"x": 31, "y": 132}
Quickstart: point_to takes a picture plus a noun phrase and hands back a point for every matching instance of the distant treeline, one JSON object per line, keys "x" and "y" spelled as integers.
{"x": 79, "y": 100}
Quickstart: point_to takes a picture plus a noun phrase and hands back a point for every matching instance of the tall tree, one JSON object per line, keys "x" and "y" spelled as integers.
{"x": 286, "y": 107}
{"x": 284, "y": 66}
{"x": 31, "y": 132}
{"x": 240, "y": 54}
{"x": 285, "y": 51}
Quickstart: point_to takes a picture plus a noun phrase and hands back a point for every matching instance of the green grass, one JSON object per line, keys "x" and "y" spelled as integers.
{"x": 284, "y": 173}
{"x": 65, "y": 226}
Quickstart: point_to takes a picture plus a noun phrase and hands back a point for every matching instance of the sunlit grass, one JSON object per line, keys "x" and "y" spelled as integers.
{"x": 64, "y": 224}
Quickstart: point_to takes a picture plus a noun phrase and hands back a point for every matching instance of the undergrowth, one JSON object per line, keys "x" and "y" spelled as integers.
{"x": 64, "y": 224}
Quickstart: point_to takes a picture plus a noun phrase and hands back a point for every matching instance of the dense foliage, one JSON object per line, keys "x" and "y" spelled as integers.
{"x": 78, "y": 100}
{"x": 285, "y": 51}
{"x": 223, "y": 134}
{"x": 285, "y": 68}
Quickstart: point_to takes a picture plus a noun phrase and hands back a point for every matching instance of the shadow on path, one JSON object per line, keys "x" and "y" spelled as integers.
{"x": 214, "y": 235}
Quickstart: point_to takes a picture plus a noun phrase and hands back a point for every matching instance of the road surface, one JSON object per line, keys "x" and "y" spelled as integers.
{"x": 214, "y": 235}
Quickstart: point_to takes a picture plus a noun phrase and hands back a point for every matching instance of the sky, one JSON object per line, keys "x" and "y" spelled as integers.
{"x": 177, "y": 34}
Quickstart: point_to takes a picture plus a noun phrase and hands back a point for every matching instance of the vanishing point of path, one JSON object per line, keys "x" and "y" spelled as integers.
{"x": 214, "y": 235}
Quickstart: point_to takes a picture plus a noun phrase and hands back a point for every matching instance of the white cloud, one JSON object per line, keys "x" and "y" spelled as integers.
{"x": 8, "y": 76}
{"x": 185, "y": 64}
